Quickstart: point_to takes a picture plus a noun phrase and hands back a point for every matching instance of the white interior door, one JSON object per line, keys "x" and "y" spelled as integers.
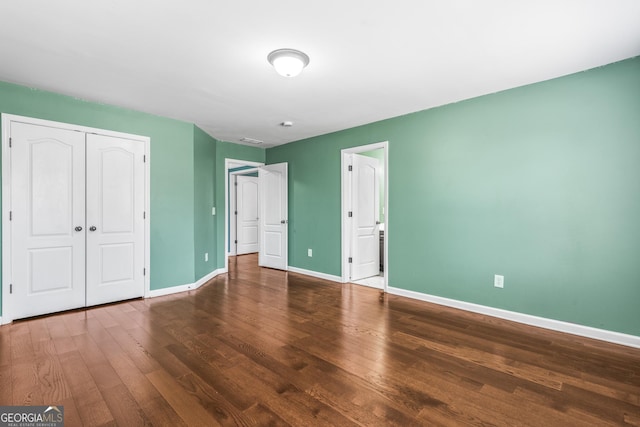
{"x": 47, "y": 220}
{"x": 365, "y": 203}
{"x": 247, "y": 214}
{"x": 115, "y": 219}
{"x": 273, "y": 216}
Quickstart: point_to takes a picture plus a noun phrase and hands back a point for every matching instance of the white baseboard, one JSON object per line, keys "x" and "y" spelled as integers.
{"x": 209, "y": 276}
{"x": 311, "y": 273}
{"x": 188, "y": 287}
{"x": 555, "y": 325}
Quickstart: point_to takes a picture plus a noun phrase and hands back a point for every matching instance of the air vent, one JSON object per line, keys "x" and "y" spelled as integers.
{"x": 251, "y": 140}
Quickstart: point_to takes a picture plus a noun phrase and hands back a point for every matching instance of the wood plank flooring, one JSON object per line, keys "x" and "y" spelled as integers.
{"x": 260, "y": 347}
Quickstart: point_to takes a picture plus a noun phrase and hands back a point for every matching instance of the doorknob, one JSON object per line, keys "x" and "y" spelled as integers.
{"x": 78, "y": 228}
{"x": 284, "y": 221}
{"x": 92, "y": 228}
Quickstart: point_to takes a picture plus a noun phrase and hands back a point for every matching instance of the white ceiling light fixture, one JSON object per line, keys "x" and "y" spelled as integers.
{"x": 288, "y": 62}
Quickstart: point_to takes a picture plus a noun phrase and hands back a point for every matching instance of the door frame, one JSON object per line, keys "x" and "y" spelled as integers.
{"x": 236, "y": 163}
{"x": 7, "y": 119}
{"x": 234, "y": 204}
{"x": 346, "y": 197}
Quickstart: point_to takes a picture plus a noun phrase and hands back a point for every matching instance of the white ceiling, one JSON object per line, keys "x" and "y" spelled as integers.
{"x": 204, "y": 61}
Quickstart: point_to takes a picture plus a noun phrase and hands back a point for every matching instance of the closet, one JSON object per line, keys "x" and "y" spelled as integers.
{"x": 77, "y": 212}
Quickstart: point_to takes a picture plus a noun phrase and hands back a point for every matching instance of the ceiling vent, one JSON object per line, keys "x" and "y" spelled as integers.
{"x": 251, "y": 140}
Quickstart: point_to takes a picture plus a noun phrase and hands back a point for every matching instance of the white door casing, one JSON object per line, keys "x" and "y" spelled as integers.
{"x": 230, "y": 171}
{"x": 247, "y": 197}
{"x": 365, "y": 204}
{"x": 273, "y": 216}
{"x": 45, "y": 169}
{"x": 47, "y": 236}
{"x": 233, "y": 218}
{"x": 115, "y": 219}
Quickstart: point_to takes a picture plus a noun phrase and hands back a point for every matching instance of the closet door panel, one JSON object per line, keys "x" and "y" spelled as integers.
{"x": 115, "y": 222}
{"x": 48, "y": 219}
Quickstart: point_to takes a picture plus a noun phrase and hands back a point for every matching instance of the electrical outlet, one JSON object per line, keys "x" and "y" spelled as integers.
{"x": 206, "y": 257}
{"x": 309, "y": 252}
{"x": 213, "y": 211}
{"x": 498, "y": 281}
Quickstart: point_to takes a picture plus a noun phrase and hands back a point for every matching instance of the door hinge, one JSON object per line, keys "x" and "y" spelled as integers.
{"x": 10, "y": 215}
{"x": 235, "y": 241}
{"x": 350, "y": 168}
{"x": 235, "y": 212}
{"x": 10, "y": 142}
{"x": 144, "y": 158}
{"x": 11, "y": 288}
{"x": 350, "y": 214}
{"x": 144, "y": 215}
{"x": 350, "y": 260}
{"x": 144, "y": 271}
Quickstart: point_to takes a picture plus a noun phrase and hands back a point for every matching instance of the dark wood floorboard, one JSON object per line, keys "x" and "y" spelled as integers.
{"x": 261, "y": 347}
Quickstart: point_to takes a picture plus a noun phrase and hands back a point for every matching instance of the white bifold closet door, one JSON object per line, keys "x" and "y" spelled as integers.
{"x": 77, "y": 227}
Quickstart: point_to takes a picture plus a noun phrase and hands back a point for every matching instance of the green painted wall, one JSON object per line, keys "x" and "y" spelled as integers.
{"x": 172, "y": 195}
{"x": 227, "y": 150}
{"x": 539, "y": 183}
{"x": 204, "y": 158}
{"x": 187, "y": 169}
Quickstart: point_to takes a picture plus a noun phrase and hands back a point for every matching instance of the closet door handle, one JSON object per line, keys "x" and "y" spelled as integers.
{"x": 78, "y": 228}
{"x": 92, "y": 228}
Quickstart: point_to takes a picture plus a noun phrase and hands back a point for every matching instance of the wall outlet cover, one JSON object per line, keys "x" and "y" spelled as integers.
{"x": 310, "y": 252}
{"x": 498, "y": 281}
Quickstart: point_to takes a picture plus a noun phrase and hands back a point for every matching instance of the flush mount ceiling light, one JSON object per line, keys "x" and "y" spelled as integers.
{"x": 288, "y": 62}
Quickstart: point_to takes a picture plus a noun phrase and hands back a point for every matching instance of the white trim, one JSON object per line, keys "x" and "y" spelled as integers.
{"x": 527, "y": 319}
{"x": 7, "y": 119}
{"x": 227, "y": 161}
{"x": 6, "y": 228}
{"x": 316, "y": 274}
{"x": 184, "y": 288}
{"x": 208, "y": 277}
{"x": 147, "y": 224}
{"x": 346, "y": 195}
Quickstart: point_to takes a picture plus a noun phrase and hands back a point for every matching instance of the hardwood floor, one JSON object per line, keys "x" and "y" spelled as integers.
{"x": 263, "y": 347}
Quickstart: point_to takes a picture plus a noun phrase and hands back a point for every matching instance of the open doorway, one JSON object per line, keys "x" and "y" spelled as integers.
{"x": 243, "y": 211}
{"x": 265, "y": 222}
{"x": 365, "y": 196}
{"x": 238, "y": 222}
